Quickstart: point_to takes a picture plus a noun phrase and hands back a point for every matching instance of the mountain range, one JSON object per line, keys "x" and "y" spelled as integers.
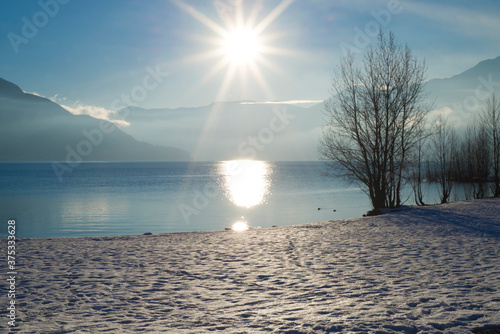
{"x": 462, "y": 96}
{"x": 33, "y": 128}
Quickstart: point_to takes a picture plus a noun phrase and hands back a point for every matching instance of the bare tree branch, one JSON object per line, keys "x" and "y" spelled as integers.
{"x": 375, "y": 118}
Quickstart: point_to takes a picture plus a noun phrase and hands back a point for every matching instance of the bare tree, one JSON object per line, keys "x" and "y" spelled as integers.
{"x": 374, "y": 119}
{"x": 490, "y": 120}
{"x": 475, "y": 157}
{"x": 416, "y": 175}
{"x": 442, "y": 147}
{"x": 467, "y": 166}
{"x": 482, "y": 161}
{"x": 467, "y": 162}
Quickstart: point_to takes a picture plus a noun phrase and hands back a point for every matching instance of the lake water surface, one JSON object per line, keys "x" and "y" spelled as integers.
{"x": 104, "y": 199}
{"x": 99, "y": 199}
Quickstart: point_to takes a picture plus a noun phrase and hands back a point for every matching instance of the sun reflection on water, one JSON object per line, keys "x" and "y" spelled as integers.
{"x": 240, "y": 226}
{"x": 246, "y": 182}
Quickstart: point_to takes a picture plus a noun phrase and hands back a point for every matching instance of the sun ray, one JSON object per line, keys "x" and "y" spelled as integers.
{"x": 239, "y": 19}
{"x": 209, "y": 125}
{"x": 260, "y": 78}
{"x": 244, "y": 77}
{"x": 226, "y": 82}
{"x": 200, "y": 17}
{"x": 273, "y": 16}
{"x": 213, "y": 115}
{"x": 252, "y": 18}
{"x": 206, "y": 78}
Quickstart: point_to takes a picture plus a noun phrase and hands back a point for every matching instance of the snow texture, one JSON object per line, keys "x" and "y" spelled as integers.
{"x": 419, "y": 270}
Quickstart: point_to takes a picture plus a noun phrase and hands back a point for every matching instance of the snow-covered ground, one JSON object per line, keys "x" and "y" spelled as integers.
{"x": 420, "y": 270}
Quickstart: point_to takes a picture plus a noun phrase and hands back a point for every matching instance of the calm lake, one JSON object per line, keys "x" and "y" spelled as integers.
{"x": 105, "y": 199}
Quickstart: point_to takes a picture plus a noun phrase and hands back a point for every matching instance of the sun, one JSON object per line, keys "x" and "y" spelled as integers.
{"x": 241, "y": 46}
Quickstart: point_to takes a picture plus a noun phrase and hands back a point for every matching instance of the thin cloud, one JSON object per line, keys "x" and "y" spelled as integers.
{"x": 35, "y": 93}
{"x": 96, "y": 112}
{"x": 285, "y": 102}
{"x": 82, "y": 109}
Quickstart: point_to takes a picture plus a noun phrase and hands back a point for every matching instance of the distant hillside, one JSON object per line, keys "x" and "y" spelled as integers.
{"x": 33, "y": 128}
{"x": 232, "y": 130}
{"x": 465, "y": 94}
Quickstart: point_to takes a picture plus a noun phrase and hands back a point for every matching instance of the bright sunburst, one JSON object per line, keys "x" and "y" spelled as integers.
{"x": 242, "y": 46}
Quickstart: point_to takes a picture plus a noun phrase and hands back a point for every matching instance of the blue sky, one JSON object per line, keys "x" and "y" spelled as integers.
{"x": 89, "y": 53}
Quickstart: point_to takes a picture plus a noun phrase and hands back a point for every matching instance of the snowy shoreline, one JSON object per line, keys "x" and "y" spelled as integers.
{"x": 428, "y": 269}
